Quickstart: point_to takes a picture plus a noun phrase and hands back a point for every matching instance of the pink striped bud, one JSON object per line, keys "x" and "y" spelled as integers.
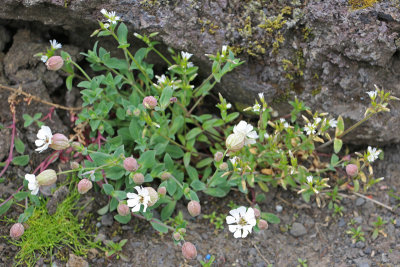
{"x": 262, "y": 224}
{"x": 59, "y": 142}
{"x": 194, "y": 208}
{"x": 177, "y": 236}
{"x": 352, "y": 170}
{"x": 165, "y": 176}
{"x": 130, "y": 164}
{"x": 54, "y": 63}
{"x": 257, "y": 212}
{"x": 84, "y": 186}
{"x": 162, "y": 190}
{"x": 17, "y": 230}
{"x": 123, "y": 209}
{"x": 47, "y": 177}
{"x": 189, "y": 251}
{"x": 218, "y": 156}
{"x": 149, "y": 102}
{"x": 138, "y": 178}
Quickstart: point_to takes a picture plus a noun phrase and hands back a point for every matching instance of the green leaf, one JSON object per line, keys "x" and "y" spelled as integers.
{"x": 100, "y": 158}
{"x": 232, "y": 116}
{"x": 193, "y": 174}
{"x": 122, "y": 34}
{"x": 5, "y": 207}
{"x": 356, "y": 185}
{"x": 169, "y": 163}
{"x": 19, "y": 146}
{"x": 177, "y": 124}
{"x": 21, "y": 160}
{"x": 334, "y": 160}
{"x": 68, "y": 81}
{"x": 120, "y": 195}
{"x": 27, "y": 213}
{"x": 108, "y": 189}
{"x": 159, "y": 226}
{"x": 204, "y": 162}
{"x": 269, "y": 217}
{"x": 167, "y": 211}
{"x": 217, "y": 191}
{"x": 193, "y": 133}
{"x": 123, "y": 219}
{"x": 103, "y": 210}
{"x": 115, "y": 173}
{"x": 337, "y": 145}
{"x": 28, "y": 120}
{"x": 165, "y": 97}
{"x": 339, "y": 126}
{"x": 171, "y": 186}
{"x": 20, "y": 196}
{"x": 174, "y": 151}
{"x": 147, "y": 159}
{"x": 134, "y": 129}
{"x": 186, "y": 159}
{"x": 197, "y": 185}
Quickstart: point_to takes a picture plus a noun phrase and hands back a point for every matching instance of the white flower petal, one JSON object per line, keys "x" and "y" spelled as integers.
{"x": 39, "y": 142}
{"x": 133, "y": 202}
{"x": 231, "y": 219}
{"x": 242, "y": 211}
{"x": 237, "y": 234}
{"x": 136, "y": 208}
{"x": 235, "y": 214}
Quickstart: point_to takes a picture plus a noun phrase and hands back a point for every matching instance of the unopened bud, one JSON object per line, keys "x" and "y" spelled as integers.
{"x": 153, "y": 196}
{"x": 347, "y": 157}
{"x": 234, "y": 142}
{"x": 262, "y": 224}
{"x": 194, "y": 208}
{"x": 59, "y": 142}
{"x": 218, "y": 156}
{"x": 54, "y": 63}
{"x": 352, "y": 170}
{"x": 74, "y": 165}
{"x": 47, "y": 177}
{"x": 136, "y": 112}
{"x": 182, "y": 231}
{"x": 186, "y": 191}
{"x": 162, "y": 190}
{"x": 189, "y": 251}
{"x": 17, "y": 230}
{"x": 224, "y": 166}
{"x": 257, "y": 212}
{"x": 130, "y": 164}
{"x": 138, "y": 178}
{"x": 77, "y": 146}
{"x": 177, "y": 236}
{"x": 149, "y": 102}
{"x": 173, "y": 99}
{"x": 84, "y": 185}
{"x": 123, "y": 209}
{"x": 165, "y": 176}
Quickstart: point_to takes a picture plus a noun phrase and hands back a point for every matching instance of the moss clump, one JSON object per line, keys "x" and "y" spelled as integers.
{"x": 360, "y": 4}
{"x": 47, "y": 234}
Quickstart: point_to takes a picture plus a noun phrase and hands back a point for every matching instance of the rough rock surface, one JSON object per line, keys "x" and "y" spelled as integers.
{"x": 325, "y": 53}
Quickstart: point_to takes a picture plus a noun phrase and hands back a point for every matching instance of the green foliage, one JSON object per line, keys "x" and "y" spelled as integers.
{"x": 356, "y": 234}
{"x": 217, "y": 220}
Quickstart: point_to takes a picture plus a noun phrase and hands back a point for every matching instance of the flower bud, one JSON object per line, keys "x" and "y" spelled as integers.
{"x": 153, "y": 196}
{"x": 123, "y": 209}
{"x": 186, "y": 191}
{"x": 189, "y": 251}
{"x": 162, "y": 190}
{"x": 224, "y": 166}
{"x": 138, "y": 178}
{"x": 194, "y": 208}
{"x": 17, "y": 230}
{"x": 262, "y": 224}
{"x": 47, "y": 177}
{"x": 84, "y": 185}
{"x": 130, "y": 164}
{"x": 74, "y": 165}
{"x": 136, "y": 112}
{"x": 346, "y": 158}
{"x": 166, "y": 176}
{"x": 257, "y": 212}
{"x": 149, "y": 102}
{"x": 182, "y": 231}
{"x": 59, "y": 142}
{"x": 77, "y": 146}
{"x": 352, "y": 170}
{"x": 234, "y": 142}
{"x": 218, "y": 156}
{"x": 54, "y": 63}
{"x": 177, "y": 236}
{"x": 173, "y": 99}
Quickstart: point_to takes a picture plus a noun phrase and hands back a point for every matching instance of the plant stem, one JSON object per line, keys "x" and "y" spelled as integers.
{"x": 199, "y": 100}
{"x": 81, "y": 70}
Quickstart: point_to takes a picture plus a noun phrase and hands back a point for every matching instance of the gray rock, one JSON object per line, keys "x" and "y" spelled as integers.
{"x": 341, "y": 222}
{"x": 397, "y": 225}
{"x": 358, "y": 219}
{"x": 360, "y": 244}
{"x": 331, "y": 69}
{"x": 367, "y": 250}
{"x": 298, "y": 229}
{"x": 100, "y": 237}
{"x": 75, "y": 261}
{"x": 360, "y": 201}
{"x": 107, "y": 219}
{"x": 57, "y": 198}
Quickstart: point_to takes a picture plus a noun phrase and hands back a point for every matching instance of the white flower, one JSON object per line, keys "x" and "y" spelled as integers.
{"x": 332, "y": 123}
{"x": 256, "y": 107}
{"x": 310, "y": 128}
{"x": 266, "y": 135}
{"x": 373, "y": 154}
{"x": 372, "y": 94}
{"x": 234, "y": 161}
{"x": 246, "y": 131}
{"x": 309, "y": 179}
{"x": 91, "y": 175}
{"x": 286, "y": 125}
{"x": 106, "y": 25}
{"x": 261, "y": 96}
{"x": 112, "y": 18}
{"x": 104, "y": 12}
{"x": 33, "y": 184}
{"x": 55, "y": 45}
{"x": 282, "y": 120}
{"x": 317, "y": 121}
{"x": 186, "y": 55}
{"x": 136, "y": 200}
{"x": 228, "y": 105}
{"x": 44, "y": 58}
{"x": 189, "y": 65}
{"x": 44, "y": 138}
{"x": 224, "y": 48}
{"x": 161, "y": 79}
{"x": 245, "y": 221}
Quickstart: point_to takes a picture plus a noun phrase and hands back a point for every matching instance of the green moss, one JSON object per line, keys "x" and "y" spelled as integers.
{"x": 49, "y": 234}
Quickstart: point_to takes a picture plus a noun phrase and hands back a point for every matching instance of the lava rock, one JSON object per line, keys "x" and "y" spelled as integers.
{"x": 75, "y": 261}
{"x": 298, "y": 229}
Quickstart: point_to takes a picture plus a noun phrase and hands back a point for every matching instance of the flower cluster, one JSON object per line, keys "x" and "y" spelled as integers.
{"x": 241, "y": 221}
{"x": 243, "y": 134}
{"x": 111, "y": 17}
{"x": 373, "y": 154}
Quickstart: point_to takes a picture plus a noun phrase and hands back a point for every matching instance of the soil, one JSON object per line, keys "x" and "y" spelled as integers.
{"x": 305, "y": 232}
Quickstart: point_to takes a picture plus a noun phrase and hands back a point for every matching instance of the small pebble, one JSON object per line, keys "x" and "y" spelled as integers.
{"x": 278, "y": 208}
{"x": 341, "y": 222}
{"x": 358, "y": 219}
{"x": 360, "y": 201}
{"x": 360, "y": 244}
{"x": 98, "y": 225}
